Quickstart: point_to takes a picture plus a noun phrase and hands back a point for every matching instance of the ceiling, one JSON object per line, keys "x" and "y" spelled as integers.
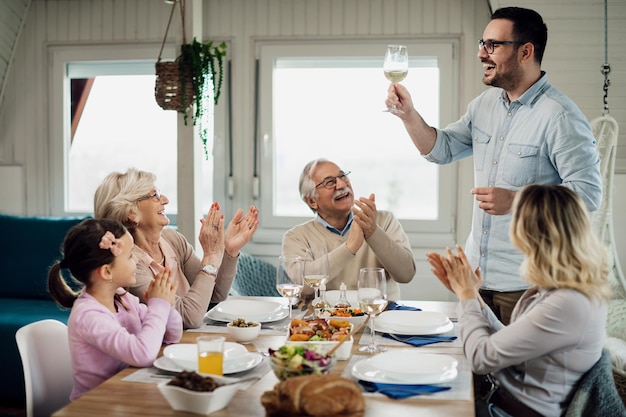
{"x": 12, "y": 17}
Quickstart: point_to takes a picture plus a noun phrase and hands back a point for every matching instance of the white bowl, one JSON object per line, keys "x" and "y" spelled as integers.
{"x": 199, "y": 402}
{"x": 243, "y": 334}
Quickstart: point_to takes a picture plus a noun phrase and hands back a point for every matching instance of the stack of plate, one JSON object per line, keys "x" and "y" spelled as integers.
{"x": 404, "y": 322}
{"x": 407, "y": 366}
{"x": 184, "y": 357}
{"x": 260, "y": 311}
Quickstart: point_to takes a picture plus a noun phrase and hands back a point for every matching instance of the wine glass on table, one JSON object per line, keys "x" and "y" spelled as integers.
{"x": 289, "y": 278}
{"x": 372, "y": 298}
{"x": 396, "y": 67}
{"x": 316, "y": 272}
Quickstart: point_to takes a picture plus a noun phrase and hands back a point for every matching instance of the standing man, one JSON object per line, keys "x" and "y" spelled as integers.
{"x": 522, "y": 131}
{"x": 354, "y": 233}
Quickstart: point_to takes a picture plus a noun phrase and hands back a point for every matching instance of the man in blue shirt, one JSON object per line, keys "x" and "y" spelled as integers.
{"x": 523, "y": 131}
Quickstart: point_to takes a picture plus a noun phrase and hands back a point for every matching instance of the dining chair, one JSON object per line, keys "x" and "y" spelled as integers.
{"x": 596, "y": 394}
{"x": 44, "y": 349}
{"x": 255, "y": 277}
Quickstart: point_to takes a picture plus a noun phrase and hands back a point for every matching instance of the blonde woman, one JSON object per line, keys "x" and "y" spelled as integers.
{"x": 557, "y": 328}
{"x": 132, "y": 199}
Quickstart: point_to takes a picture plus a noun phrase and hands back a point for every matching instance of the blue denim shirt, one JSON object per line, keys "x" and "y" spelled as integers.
{"x": 540, "y": 138}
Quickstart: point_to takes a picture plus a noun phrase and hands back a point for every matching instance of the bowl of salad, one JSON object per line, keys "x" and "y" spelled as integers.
{"x": 322, "y": 335}
{"x": 296, "y": 360}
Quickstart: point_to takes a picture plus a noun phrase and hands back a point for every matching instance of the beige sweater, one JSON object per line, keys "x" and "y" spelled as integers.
{"x": 388, "y": 247}
{"x": 196, "y": 289}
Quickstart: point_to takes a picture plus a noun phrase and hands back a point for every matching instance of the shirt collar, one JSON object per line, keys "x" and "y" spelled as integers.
{"x": 533, "y": 93}
{"x": 333, "y": 229}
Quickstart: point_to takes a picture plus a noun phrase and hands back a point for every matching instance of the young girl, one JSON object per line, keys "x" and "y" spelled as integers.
{"x": 109, "y": 328}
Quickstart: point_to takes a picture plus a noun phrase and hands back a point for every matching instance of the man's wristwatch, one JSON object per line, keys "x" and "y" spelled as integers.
{"x": 210, "y": 269}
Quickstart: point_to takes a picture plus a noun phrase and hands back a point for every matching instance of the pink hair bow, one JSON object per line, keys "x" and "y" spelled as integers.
{"x": 109, "y": 242}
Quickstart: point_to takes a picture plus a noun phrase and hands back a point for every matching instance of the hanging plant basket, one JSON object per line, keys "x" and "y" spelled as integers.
{"x": 187, "y": 81}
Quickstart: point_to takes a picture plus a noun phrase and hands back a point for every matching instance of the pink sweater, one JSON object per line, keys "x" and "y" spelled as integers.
{"x": 103, "y": 343}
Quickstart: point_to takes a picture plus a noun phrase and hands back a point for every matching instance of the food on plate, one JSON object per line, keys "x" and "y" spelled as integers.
{"x": 294, "y": 360}
{"x": 193, "y": 381}
{"x": 342, "y": 312}
{"x": 315, "y": 395}
{"x": 319, "y": 330}
{"x": 240, "y": 322}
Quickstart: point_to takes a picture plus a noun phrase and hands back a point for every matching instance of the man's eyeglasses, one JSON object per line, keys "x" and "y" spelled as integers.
{"x": 331, "y": 182}
{"x": 489, "y": 44}
{"x": 156, "y": 195}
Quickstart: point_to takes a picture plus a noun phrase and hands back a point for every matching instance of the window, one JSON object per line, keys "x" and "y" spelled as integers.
{"x": 110, "y": 121}
{"x": 328, "y": 101}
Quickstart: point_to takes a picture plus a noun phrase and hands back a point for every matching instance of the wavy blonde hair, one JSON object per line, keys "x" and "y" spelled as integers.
{"x": 551, "y": 226}
{"x": 117, "y": 195}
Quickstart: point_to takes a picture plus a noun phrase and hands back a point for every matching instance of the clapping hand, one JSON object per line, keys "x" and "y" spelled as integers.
{"x": 212, "y": 236}
{"x": 162, "y": 286}
{"x": 240, "y": 230}
{"x": 365, "y": 214}
{"x": 456, "y": 274}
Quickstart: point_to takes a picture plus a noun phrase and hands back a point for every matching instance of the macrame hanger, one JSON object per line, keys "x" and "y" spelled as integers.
{"x": 606, "y": 68}
{"x": 169, "y": 22}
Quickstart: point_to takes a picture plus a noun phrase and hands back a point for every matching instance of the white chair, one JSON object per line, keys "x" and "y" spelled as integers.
{"x": 44, "y": 349}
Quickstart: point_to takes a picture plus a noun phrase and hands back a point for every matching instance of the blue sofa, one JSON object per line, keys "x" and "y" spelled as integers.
{"x": 28, "y": 246}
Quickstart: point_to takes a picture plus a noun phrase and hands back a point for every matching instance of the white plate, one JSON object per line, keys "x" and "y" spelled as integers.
{"x": 407, "y": 366}
{"x": 260, "y": 311}
{"x": 413, "y": 322}
{"x": 332, "y": 296}
{"x": 184, "y": 356}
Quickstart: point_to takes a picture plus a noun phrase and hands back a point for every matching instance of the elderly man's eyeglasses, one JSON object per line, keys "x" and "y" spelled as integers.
{"x": 489, "y": 44}
{"x": 156, "y": 195}
{"x": 331, "y": 182}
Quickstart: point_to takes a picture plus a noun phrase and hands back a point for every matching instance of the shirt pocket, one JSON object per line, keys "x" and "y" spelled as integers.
{"x": 480, "y": 143}
{"x": 520, "y": 164}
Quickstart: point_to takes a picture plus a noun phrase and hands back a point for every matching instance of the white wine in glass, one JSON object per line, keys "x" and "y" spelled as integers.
{"x": 396, "y": 67}
{"x": 289, "y": 279}
{"x": 372, "y": 298}
{"x": 316, "y": 271}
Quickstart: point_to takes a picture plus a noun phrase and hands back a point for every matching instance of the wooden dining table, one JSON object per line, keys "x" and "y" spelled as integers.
{"x": 119, "y": 397}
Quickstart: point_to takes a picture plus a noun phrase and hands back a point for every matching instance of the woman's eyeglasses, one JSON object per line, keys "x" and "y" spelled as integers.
{"x": 156, "y": 195}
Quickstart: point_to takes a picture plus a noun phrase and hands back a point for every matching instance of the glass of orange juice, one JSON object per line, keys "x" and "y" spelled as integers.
{"x": 210, "y": 354}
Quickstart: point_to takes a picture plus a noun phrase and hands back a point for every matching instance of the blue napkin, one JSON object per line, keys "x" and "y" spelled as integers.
{"x": 392, "y": 305}
{"x": 420, "y": 340}
{"x": 399, "y": 391}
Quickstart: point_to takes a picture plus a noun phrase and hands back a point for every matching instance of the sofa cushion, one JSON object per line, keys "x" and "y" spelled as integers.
{"x": 30, "y": 245}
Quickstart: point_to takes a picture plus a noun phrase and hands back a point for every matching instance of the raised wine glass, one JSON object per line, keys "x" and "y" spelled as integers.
{"x": 316, "y": 271}
{"x": 289, "y": 278}
{"x": 372, "y": 298}
{"x": 396, "y": 67}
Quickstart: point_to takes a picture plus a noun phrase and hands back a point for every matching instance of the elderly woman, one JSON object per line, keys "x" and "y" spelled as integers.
{"x": 132, "y": 199}
{"x": 557, "y": 328}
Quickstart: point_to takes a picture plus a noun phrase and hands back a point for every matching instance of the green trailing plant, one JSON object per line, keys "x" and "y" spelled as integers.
{"x": 202, "y": 64}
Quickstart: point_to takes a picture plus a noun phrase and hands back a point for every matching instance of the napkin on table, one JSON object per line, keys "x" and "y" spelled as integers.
{"x": 399, "y": 391}
{"x": 395, "y": 306}
{"x": 420, "y": 340}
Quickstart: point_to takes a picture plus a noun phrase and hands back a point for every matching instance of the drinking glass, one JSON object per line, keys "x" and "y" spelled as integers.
{"x": 372, "y": 297}
{"x": 396, "y": 67}
{"x": 289, "y": 278}
{"x": 211, "y": 354}
{"x": 316, "y": 270}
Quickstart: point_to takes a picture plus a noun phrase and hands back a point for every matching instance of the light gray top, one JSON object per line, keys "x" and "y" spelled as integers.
{"x": 555, "y": 336}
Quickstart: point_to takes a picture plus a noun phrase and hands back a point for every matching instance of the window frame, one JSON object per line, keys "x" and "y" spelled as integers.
{"x": 446, "y": 51}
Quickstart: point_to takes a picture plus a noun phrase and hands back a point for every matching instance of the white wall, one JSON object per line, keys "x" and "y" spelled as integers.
{"x": 573, "y": 59}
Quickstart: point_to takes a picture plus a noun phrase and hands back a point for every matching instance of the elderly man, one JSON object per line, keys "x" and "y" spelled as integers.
{"x": 354, "y": 233}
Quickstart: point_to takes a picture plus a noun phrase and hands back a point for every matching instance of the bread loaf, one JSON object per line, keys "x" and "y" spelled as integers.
{"x": 316, "y": 396}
